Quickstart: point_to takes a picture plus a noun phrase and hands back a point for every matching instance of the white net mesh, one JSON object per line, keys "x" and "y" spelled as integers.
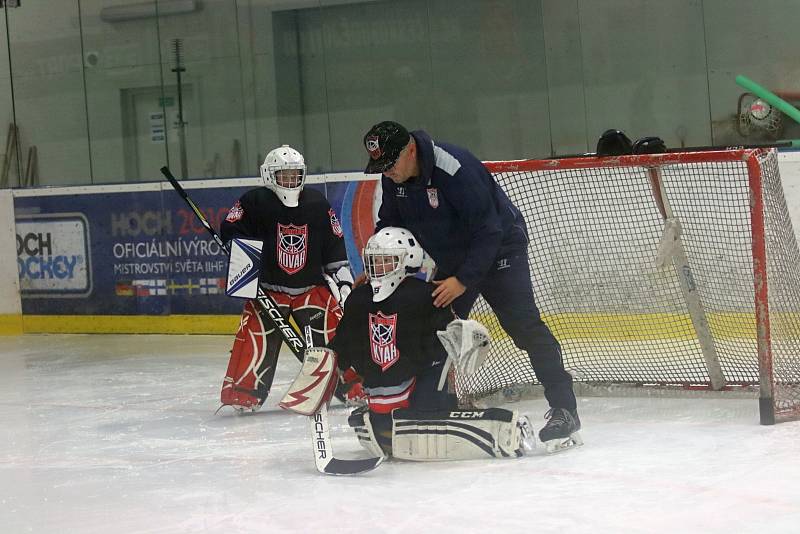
{"x": 595, "y": 228}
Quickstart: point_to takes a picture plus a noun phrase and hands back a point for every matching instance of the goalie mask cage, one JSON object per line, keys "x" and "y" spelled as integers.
{"x": 678, "y": 271}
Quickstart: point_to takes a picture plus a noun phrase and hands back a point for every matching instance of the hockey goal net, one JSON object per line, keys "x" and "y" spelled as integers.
{"x": 677, "y": 271}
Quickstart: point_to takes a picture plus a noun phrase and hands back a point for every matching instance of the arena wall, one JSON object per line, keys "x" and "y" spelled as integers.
{"x": 132, "y": 258}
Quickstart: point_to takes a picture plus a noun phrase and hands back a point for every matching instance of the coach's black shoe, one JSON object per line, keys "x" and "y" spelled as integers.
{"x": 561, "y": 430}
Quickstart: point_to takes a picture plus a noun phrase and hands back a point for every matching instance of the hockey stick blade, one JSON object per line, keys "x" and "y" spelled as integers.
{"x": 267, "y": 303}
{"x": 326, "y": 463}
{"x": 339, "y": 467}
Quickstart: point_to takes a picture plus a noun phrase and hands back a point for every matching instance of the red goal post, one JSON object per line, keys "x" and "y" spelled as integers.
{"x": 677, "y": 271}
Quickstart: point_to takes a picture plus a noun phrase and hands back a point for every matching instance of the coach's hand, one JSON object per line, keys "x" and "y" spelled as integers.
{"x": 447, "y": 291}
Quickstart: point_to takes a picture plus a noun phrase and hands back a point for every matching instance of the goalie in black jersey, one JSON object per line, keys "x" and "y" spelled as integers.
{"x": 304, "y": 268}
{"x": 393, "y": 335}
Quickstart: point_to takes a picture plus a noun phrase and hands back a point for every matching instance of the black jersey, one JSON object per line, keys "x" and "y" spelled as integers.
{"x": 391, "y": 341}
{"x": 299, "y": 242}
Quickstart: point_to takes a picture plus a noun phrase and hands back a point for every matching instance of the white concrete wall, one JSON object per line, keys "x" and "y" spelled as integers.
{"x": 9, "y": 281}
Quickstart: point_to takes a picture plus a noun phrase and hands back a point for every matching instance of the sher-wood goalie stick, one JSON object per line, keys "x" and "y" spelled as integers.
{"x": 264, "y": 301}
{"x": 324, "y": 459}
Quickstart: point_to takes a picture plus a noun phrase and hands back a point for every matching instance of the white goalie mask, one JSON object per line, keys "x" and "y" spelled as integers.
{"x": 391, "y": 255}
{"x": 284, "y": 172}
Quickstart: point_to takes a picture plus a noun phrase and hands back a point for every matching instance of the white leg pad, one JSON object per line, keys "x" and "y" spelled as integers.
{"x": 456, "y": 435}
{"x": 360, "y": 423}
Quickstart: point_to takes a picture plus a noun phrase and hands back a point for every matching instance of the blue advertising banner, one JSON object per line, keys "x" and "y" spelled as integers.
{"x": 144, "y": 252}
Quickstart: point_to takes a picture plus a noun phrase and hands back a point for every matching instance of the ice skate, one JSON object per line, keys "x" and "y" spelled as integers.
{"x": 561, "y": 431}
{"x": 242, "y": 400}
{"x": 244, "y": 410}
{"x": 240, "y": 409}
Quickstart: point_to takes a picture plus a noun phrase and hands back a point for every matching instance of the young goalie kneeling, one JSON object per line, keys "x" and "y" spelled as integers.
{"x": 388, "y": 335}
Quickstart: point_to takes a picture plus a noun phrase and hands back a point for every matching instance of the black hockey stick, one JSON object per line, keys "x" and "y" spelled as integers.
{"x": 267, "y": 303}
{"x": 324, "y": 459}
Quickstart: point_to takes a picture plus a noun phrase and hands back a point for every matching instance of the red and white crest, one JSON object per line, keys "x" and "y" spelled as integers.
{"x": 374, "y": 147}
{"x": 235, "y": 213}
{"x": 383, "y": 339}
{"x": 336, "y": 226}
{"x": 292, "y": 247}
{"x": 433, "y": 197}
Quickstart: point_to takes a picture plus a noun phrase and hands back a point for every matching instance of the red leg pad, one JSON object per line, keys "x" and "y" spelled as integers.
{"x": 244, "y": 384}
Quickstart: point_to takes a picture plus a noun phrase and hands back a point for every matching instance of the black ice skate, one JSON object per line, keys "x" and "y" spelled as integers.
{"x": 561, "y": 430}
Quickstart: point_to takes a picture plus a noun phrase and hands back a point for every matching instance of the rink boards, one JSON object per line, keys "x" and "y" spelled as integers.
{"x": 131, "y": 258}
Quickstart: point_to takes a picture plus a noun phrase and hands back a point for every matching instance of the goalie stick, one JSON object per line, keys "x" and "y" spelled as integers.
{"x": 267, "y": 303}
{"x": 324, "y": 459}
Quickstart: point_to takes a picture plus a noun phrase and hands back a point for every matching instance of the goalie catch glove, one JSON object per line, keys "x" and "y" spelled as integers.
{"x": 467, "y": 343}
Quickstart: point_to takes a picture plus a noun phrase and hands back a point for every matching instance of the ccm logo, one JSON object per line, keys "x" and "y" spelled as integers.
{"x": 466, "y": 415}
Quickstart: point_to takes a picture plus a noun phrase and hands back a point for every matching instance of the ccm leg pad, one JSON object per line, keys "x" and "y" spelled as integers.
{"x": 456, "y": 435}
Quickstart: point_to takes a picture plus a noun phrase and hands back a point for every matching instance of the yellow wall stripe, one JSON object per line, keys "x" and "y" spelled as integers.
{"x": 130, "y": 324}
{"x": 10, "y": 324}
{"x": 621, "y": 327}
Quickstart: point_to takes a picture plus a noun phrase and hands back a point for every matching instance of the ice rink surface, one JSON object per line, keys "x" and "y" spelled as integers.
{"x": 112, "y": 433}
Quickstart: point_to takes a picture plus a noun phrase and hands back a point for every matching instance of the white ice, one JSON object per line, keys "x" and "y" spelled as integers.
{"x": 117, "y": 434}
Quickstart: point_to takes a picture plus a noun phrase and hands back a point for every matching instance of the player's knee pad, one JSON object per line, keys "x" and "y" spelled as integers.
{"x": 376, "y": 441}
{"x": 457, "y": 435}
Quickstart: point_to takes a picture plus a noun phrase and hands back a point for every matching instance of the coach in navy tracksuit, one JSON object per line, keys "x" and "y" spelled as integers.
{"x": 478, "y": 238}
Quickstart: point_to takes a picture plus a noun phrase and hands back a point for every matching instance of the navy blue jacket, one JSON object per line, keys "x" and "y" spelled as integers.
{"x": 462, "y": 218}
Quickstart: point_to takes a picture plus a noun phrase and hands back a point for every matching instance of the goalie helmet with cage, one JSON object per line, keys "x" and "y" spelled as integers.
{"x": 284, "y": 172}
{"x": 391, "y": 255}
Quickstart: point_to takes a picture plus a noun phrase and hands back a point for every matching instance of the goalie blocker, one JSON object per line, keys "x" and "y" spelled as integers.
{"x": 314, "y": 385}
{"x": 447, "y": 435}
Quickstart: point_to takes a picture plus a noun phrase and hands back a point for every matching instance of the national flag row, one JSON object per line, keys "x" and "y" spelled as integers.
{"x": 164, "y": 287}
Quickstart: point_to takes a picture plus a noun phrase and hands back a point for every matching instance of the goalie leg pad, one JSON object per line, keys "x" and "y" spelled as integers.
{"x": 252, "y": 364}
{"x": 314, "y": 384}
{"x": 361, "y": 423}
{"x": 456, "y": 435}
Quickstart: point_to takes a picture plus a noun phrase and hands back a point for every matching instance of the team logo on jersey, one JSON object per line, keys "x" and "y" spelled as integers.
{"x": 401, "y": 192}
{"x": 433, "y": 197}
{"x": 235, "y": 213}
{"x": 292, "y": 247}
{"x": 374, "y": 147}
{"x": 383, "y": 339}
{"x": 336, "y": 226}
